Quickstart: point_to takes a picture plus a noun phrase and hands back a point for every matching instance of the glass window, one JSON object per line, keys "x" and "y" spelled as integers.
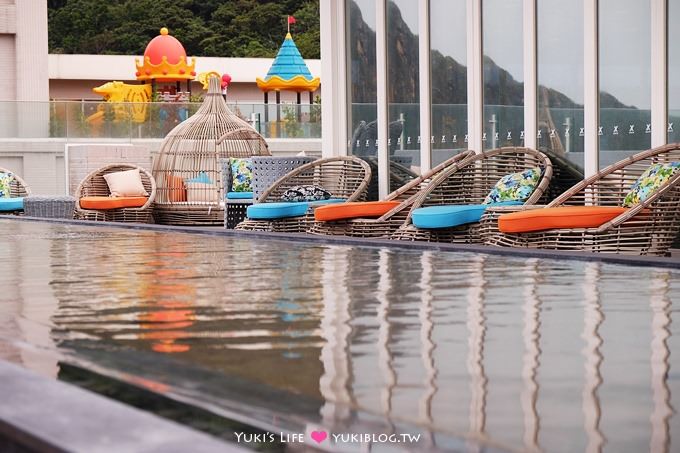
{"x": 448, "y": 61}
{"x": 625, "y": 78}
{"x": 403, "y": 90}
{"x": 673, "y": 71}
{"x": 361, "y": 80}
{"x": 559, "y": 40}
{"x": 503, "y": 73}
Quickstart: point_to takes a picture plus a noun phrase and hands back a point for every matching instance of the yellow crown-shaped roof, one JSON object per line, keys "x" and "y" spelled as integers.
{"x": 165, "y": 71}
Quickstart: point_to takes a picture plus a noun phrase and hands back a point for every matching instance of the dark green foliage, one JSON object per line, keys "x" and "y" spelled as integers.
{"x": 214, "y": 28}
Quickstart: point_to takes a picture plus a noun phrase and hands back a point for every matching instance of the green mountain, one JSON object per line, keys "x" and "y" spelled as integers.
{"x": 211, "y": 28}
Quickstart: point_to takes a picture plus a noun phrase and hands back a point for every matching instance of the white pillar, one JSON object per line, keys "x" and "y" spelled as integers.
{"x": 381, "y": 82}
{"x": 333, "y": 78}
{"x": 530, "y": 82}
{"x": 591, "y": 94}
{"x": 425, "y": 85}
{"x": 475, "y": 82}
{"x": 31, "y": 51}
{"x": 659, "y": 68}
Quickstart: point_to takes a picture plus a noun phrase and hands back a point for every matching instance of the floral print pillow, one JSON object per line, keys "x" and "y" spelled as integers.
{"x": 306, "y": 193}
{"x": 5, "y": 183}
{"x": 649, "y": 181}
{"x": 241, "y": 175}
{"x": 514, "y": 187}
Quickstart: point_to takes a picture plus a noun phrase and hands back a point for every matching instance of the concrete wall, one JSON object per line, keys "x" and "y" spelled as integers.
{"x": 39, "y": 162}
{"x": 23, "y": 50}
{"x": 74, "y": 76}
{"x": 83, "y": 159}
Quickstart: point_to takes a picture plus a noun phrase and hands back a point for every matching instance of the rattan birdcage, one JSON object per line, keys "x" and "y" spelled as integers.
{"x": 187, "y": 169}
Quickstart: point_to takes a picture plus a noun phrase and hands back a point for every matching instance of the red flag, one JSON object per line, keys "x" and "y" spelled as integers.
{"x": 291, "y": 20}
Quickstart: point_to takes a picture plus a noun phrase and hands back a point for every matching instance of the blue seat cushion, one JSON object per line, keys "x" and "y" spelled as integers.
{"x": 279, "y": 210}
{"x": 283, "y": 209}
{"x": 239, "y": 195}
{"x": 11, "y": 204}
{"x": 447, "y": 216}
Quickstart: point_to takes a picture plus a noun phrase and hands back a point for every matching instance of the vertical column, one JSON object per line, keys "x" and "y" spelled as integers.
{"x": 333, "y": 78}
{"x": 659, "y": 68}
{"x": 381, "y": 95}
{"x": 591, "y": 108}
{"x": 475, "y": 82}
{"x": 425, "y": 85}
{"x": 32, "y": 77}
{"x": 31, "y": 51}
{"x": 530, "y": 83}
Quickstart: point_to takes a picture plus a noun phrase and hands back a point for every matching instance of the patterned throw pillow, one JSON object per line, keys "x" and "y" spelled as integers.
{"x": 514, "y": 187}
{"x": 5, "y": 182}
{"x": 306, "y": 193}
{"x": 649, "y": 181}
{"x": 241, "y": 175}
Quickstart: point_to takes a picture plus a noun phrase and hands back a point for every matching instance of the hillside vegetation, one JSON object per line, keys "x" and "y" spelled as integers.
{"x": 219, "y": 28}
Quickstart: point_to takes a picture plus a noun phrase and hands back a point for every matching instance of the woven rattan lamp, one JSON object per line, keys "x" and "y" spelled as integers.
{"x": 187, "y": 168}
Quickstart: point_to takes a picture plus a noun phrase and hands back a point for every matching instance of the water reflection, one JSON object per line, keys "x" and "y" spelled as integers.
{"x": 485, "y": 347}
{"x": 660, "y": 362}
{"x": 593, "y": 358}
{"x": 532, "y": 352}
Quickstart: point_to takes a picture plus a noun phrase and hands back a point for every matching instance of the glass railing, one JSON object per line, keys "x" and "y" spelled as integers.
{"x": 102, "y": 120}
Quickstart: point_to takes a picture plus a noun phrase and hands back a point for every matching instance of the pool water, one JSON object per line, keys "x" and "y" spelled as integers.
{"x": 522, "y": 354}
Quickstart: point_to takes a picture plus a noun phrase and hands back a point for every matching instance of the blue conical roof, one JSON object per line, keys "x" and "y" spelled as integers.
{"x": 288, "y": 62}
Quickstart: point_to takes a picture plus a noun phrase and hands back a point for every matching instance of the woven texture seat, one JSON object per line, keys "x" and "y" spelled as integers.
{"x": 646, "y": 228}
{"x": 387, "y": 223}
{"x": 94, "y": 185}
{"x": 344, "y": 177}
{"x": 188, "y": 170}
{"x": 468, "y": 182}
{"x": 17, "y": 189}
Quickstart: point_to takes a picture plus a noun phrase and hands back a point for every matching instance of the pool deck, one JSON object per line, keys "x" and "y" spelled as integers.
{"x": 41, "y": 414}
{"x": 672, "y": 262}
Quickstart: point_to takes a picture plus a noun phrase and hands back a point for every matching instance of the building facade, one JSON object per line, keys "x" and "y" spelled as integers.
{"x": 419, "y": 80}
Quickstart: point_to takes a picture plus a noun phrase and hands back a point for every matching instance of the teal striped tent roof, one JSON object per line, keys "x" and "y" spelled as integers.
{"x": 288, "y": 62}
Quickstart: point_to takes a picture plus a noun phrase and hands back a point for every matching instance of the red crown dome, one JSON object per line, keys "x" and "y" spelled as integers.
{"x": 165, "y": 60}
{"x": 167, "y": 46}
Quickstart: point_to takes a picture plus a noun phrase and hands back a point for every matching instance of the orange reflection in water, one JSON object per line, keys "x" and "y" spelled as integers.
{"x": 170, "y": 303}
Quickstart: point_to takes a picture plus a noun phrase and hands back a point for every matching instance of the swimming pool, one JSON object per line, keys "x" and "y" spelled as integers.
{"x": 520, "y": 353}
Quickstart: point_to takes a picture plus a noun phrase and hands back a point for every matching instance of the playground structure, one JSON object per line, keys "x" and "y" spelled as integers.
{"x": 164, "y": 67}
{"x": 288, "y": 72}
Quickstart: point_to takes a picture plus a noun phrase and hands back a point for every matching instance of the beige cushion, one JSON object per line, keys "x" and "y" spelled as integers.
{"x": 126, "y": 184}
{"x": 201, "y": 192}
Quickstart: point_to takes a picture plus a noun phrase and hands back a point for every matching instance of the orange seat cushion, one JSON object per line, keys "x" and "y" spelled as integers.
{"x": 112, "y": 202}
{"x": 177, "y": 191}
{"x": 354, "y": 210}
{"x": 558, "y": 218}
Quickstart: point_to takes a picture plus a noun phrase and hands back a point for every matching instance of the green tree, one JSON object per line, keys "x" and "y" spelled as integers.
{"x": 237, "y": 28}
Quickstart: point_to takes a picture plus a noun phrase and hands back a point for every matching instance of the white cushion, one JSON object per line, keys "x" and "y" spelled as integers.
{"x": 126, "y": 184}
{"x": 201, "y": 192}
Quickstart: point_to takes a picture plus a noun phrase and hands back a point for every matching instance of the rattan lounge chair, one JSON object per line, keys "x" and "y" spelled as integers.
{"x": 647, "y": 228}
{"x": 17, "y": 189}
{"x": 345, "y": 178}
{"x": 400, "y": 174}
{"x": 468, "y": 182}
{"x": 387, "y": 223}
{"x": 94, "y": 185}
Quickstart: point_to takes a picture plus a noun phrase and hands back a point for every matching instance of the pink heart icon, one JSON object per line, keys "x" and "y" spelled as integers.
{"x": 319, "y": 436}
